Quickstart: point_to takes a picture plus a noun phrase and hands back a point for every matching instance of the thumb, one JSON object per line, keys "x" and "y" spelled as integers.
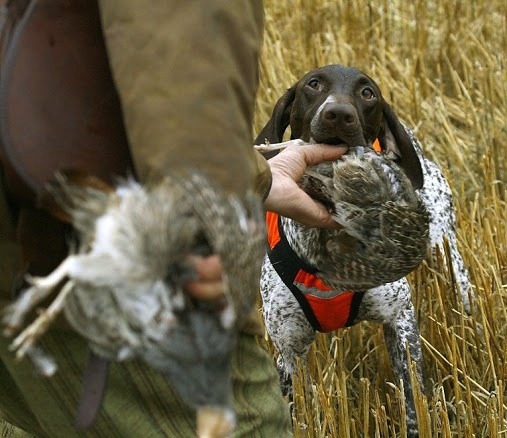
{"x": 312, "y": 213}
{"x": 317, "y": 153}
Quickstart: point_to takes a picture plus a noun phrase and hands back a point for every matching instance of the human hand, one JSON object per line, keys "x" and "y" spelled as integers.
{"x": 209, "y": 285}
{"x": 286, "y": 197}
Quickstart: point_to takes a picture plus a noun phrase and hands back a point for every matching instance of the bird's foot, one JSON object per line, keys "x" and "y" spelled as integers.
{"x": 25, "y": 341}
{"x": 44, "y": 363}
{"x": 268, "y": 147}
{"x": 14, "y": 315}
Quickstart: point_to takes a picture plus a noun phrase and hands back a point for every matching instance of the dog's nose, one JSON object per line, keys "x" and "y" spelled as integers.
{"x": 334, "y": 114}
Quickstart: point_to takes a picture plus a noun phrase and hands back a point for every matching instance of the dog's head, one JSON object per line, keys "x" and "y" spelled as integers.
{"x": 342, "y": 105}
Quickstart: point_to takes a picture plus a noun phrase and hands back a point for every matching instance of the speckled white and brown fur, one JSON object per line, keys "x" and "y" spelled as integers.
{"x": 388, "y": 304}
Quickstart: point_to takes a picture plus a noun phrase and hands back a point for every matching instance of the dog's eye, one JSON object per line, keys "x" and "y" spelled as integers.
{"x": 367, "y": 93}
{"x": 314, "y": 83}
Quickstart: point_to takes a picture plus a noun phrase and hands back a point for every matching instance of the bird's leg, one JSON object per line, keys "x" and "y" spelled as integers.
{"x": 268, "y": 147}
{"x": 52, "y": 280}
{"x": 44, "y": 363}
{"x": 27, "y": 338}
{"x": 41, "y": 288}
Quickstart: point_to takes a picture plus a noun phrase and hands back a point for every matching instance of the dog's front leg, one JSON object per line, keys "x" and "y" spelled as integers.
{"x": 398, "y": 335}
{"x": 292, "y": 335}
{"x": 286, "y": 325}
{"x": 391, "y": 305}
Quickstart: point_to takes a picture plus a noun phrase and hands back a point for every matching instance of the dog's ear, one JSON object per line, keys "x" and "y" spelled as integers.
{"x": 395, "y": 141}
{"x": 277, "y": 124}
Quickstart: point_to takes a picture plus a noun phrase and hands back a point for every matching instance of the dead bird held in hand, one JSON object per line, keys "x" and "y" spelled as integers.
{"x": 123, "y": 286}
{"x": 374, "y": 202}
{"x": 384, "y": 233}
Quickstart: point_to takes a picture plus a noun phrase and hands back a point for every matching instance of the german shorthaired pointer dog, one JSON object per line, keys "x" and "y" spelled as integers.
{"x": 337, "y": 105}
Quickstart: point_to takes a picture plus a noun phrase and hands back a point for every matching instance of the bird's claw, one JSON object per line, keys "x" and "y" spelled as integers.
{"x": 268, "y": 147}
{"x": 28, "y": 337}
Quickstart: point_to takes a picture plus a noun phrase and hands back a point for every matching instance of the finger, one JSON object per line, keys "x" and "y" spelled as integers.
{"x": 206, "y": 291}
{"x": 208, "y": 268}
{"x": 311, "y": 213}
{"x": 317, "y": 153}
{"x": 293, "y": 161}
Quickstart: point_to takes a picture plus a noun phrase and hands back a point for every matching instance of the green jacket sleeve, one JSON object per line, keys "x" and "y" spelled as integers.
{"x": 186, "y": 73}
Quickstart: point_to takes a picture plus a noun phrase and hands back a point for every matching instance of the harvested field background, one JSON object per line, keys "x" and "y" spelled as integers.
{"x": 442, "y": 66}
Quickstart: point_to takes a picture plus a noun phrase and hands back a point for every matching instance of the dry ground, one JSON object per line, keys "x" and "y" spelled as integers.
{"x": 442, "y": 66}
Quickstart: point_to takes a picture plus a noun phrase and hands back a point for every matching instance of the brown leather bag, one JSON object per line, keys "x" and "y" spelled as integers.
{"x": 58, "y": 109}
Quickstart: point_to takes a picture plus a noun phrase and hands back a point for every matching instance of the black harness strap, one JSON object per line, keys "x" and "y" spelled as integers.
{"x": 287, "y": 264}
{"x": 354, "y": 308}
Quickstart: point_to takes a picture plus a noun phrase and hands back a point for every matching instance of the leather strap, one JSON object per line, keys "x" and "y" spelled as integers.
{"x": 94, "y": 386}
{"x": 58, "y": 104}
{"x": 58, "y": 108}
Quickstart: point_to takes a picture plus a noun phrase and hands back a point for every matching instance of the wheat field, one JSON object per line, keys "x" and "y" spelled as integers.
{"x": 442, "y": 66}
